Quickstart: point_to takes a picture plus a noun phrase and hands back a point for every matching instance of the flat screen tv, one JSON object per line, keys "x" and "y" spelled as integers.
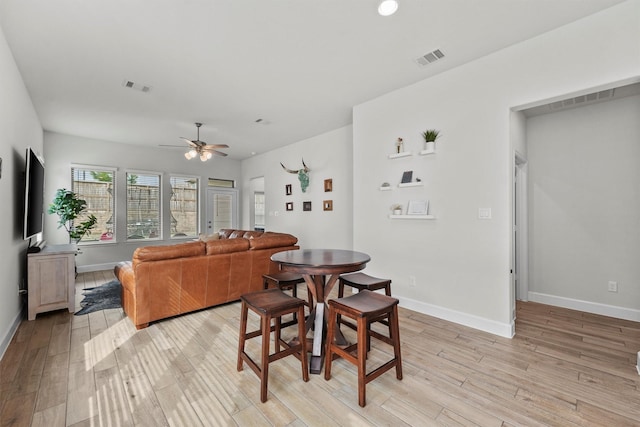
{"x": 33, "y": 195}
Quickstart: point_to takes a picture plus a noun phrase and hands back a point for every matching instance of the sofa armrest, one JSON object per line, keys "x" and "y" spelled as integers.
{"x": 272, "y": 240}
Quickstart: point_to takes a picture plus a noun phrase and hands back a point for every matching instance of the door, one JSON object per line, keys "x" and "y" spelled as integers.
{"x": 520, "y": 262}
{"x": 222, "y": 209}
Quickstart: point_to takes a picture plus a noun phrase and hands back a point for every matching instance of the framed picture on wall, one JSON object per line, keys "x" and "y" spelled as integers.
{"x": 289, "y": 206}
{"x": 418, "y": 207}
{"x": 327, "y": 205}
{"x": 328, "y": 185}
{"x": 306, "y": 206}
{"x": 288, "y": 189}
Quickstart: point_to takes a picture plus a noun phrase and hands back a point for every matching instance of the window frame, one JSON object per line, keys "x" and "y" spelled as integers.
{"x": 197, "y": 179}
{"x": 160, "y": 226}
{"x": 98, "y": 168}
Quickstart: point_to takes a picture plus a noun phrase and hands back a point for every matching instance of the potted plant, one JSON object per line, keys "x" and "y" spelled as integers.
{"x": 396, "y": 209}
{"x": 69, "y": 207}
{"x": 430, "y": 136}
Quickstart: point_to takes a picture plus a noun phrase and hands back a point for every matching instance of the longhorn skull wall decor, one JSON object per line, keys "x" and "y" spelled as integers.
{"x": 303, "y": 175}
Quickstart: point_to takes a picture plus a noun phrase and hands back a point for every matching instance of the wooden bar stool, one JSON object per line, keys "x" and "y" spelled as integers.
{"x": 362, "y": 281}
{"x": 271, "y": 304}
{"x": 364, "y": 307}
{"x": 287, "y": 281}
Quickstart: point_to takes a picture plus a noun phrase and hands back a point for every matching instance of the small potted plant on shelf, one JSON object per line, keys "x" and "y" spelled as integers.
{"x": 69, "y": 207}
{"x": 396, "y": 209}
{"x": 430, "y": 136}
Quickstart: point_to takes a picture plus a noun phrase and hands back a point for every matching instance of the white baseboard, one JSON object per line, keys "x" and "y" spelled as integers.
{"x": 491, "y": 326}
{"x": 8, "y": 336}
{"x": 96, "y": 267}
{"x": 587, "y": 306}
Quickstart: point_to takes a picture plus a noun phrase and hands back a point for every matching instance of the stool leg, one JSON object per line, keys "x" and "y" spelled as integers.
{"x": 302, "y": 337}
{"x": 243, "y": 334}
{"x": 363, "y": 336}
{"x": 264, "y": 368}
{"x": 340, "y": 295}
{"x": 395, "y": 337}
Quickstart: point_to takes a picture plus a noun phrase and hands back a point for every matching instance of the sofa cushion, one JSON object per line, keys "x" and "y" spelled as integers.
{"x": 252, "y": 234}
{"x": 272, "y": 240}
{"x": 225, "y": 246}
{"x": 180, "y": 250}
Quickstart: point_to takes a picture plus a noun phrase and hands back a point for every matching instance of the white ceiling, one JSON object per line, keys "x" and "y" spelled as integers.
{"x": 299, "y": 65}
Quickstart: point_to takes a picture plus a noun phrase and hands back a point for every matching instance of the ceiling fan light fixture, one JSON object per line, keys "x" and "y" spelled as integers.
{"x": 387, "y": 7}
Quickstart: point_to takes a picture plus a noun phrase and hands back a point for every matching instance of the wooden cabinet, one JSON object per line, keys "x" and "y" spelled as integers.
{"x": 51, "y": 279}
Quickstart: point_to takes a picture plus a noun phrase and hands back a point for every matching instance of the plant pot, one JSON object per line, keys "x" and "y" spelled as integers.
{"x": 430, "y": 146}
{"x": 397, "y": 211}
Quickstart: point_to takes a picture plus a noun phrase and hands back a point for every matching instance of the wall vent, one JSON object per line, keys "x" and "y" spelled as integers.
{"x": 429, "y": 58}
{"x": 136, "y": 86}
{"x": 582, "y": 99}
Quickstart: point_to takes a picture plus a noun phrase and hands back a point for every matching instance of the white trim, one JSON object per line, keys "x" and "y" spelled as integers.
{"x": 586, "y": 306}
{"x": 13, "y": 328}
{"x": 505, "y": 330}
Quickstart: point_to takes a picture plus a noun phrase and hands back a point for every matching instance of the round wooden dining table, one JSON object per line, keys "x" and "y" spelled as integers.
{"x": 321, "y": 269}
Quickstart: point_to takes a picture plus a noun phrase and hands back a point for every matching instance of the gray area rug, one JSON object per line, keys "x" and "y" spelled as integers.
{"x": 100, "y": 298}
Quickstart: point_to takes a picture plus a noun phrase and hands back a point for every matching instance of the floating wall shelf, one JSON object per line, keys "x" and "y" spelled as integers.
{"x": 398, "y": 155}
{"x": 411, "y": 184}
{"x": 412, "y": 217}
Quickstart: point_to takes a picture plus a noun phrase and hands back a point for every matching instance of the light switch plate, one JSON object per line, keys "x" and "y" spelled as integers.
{"x": 484, "y": 213}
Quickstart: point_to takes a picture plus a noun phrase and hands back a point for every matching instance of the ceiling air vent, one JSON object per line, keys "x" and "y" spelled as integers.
{"x": 136, "y": 86}
{"x": 429, "y": 58}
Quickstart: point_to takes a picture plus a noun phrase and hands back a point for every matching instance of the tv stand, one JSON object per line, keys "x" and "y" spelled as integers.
{"x": 51, "y": 283}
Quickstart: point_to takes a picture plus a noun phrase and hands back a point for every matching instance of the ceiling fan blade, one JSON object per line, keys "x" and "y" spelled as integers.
{"x": 190, "y": 142}
{"x": 214, "y": 146}
{"x": 218, "y": 153}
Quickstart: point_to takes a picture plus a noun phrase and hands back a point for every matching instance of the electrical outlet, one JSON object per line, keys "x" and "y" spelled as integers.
{"x": 412, "y": 281}
{"x": 612, "y": 286}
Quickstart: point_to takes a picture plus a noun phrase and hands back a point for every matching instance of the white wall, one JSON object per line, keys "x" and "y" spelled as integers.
{"x": 585, "y": 205}
{"x": 329, "y": 156}
{"x": 62, "y": 150}
{"x": 461, "y": 264}
{"x": 19, "y": 128}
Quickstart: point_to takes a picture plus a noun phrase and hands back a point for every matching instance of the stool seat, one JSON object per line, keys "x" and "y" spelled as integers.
{"x": 282, "y": 279}
{"x": 364, "y": 307}
{"x": 362, "y": 281}
{"x": 271, "y": 304}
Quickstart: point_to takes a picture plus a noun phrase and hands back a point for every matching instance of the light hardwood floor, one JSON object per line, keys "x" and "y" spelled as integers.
{"x": 563, "y": 368}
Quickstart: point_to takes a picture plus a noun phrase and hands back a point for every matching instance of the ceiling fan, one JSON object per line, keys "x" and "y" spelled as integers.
{"x": 200, "y": 148}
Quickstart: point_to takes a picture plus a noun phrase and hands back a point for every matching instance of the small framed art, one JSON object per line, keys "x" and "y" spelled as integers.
{"x": 328, "y": 185}
{"x": 306, "y": 206}
{"x": 327, "y": 205}
{"x": 288, "y": 189}
{"x": 418, "y": 207}
{"x": 289, "y": 206}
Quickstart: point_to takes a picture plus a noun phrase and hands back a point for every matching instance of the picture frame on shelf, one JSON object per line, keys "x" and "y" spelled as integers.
{"x": 418, "y": 207}
{"x": 407, "y": 177}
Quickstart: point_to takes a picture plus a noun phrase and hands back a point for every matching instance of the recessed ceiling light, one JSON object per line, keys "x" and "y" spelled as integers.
{"x": 387, "y": 7}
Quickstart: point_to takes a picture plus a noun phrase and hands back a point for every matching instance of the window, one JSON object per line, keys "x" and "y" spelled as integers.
{"x": 143, "y": 206}
{"x": 224, "y": 183}
{"x": 183, "y": 206}
{"x": 96, "y": 185}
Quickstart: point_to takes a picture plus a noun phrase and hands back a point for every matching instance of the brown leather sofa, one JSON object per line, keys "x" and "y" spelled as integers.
{"x": 165, "y": 281}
